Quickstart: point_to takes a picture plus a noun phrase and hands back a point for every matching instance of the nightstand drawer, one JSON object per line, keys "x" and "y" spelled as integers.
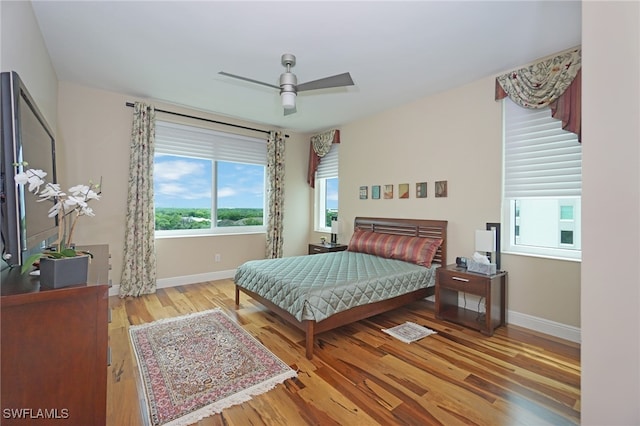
{"x": 463, "y": 282}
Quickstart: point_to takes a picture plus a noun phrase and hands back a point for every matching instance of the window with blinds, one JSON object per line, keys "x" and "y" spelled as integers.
{"x": 326, "y": 202}
{"x": 207, "y": 181}
{"x": 542, "y": 184}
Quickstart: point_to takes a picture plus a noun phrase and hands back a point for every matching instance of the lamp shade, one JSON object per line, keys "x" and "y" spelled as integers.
{"x": 335, "y": 227}
{"x": 485, "y": 241}
{"x": 288, "y": 100}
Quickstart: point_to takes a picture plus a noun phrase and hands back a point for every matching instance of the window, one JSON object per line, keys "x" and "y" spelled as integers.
{"x": 542, "y": 184}
{"x": 208, "y": 182}
{"x": 326, "y": 204}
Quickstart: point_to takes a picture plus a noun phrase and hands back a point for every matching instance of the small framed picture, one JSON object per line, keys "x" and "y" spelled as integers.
{"x": 388, "y": 192}
{"x": 441, "y": 188}
{"x": 403, "y": 190}
{"x": 421, "y": 190}
{"x": 364, "y": 192}
{"x": 375, "y": 192}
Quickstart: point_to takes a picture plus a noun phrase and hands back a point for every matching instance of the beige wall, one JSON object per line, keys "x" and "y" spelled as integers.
{"x": 95, "y": 129}
{"x": 23, "y": 50}
{"x": 454, "y": 136}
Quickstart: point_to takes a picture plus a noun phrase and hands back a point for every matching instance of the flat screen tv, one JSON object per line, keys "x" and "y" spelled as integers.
{"x": 26, "y": 136}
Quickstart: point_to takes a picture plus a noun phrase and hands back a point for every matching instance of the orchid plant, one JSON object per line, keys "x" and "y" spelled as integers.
{"x": 68, "y": 207}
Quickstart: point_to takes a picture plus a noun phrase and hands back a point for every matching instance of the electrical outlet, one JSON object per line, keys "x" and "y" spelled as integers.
{"x": 217, "y": 257}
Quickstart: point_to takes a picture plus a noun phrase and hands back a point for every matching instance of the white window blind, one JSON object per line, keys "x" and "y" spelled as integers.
{"x": 328, "y": 167}
{"x": 541, "y": 159}
{"x": 178, "y": 139}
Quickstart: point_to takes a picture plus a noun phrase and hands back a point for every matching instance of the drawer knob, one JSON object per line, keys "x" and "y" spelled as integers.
{"x": 464, "y": 280}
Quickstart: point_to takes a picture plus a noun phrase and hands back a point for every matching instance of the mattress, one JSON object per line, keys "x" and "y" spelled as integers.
{"x": 318, "y": 286}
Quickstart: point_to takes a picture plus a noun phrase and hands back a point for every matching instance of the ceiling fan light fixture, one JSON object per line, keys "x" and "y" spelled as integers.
{"x": 289, "y": 83}
{"x": 288, "y": 100}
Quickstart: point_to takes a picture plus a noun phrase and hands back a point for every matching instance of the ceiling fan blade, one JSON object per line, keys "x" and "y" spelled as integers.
{"x": 290, "y": 111}
{"x": 327, "y": 82}
{"x": 248, "y": 79}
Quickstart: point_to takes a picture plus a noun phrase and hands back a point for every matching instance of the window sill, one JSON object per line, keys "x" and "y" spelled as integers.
{"x": 541, "y": 256}
{"x": 208, "y": 234}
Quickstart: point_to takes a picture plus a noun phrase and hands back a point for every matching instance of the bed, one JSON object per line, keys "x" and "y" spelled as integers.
{"x": 389, "y": 263}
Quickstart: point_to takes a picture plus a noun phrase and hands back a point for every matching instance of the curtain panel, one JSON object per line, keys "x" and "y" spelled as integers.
{"x": 319, "y": 147}
{"x": 275, "y": 194}
{"x": 139, "y": 263}
{"x": 555, "y": 82}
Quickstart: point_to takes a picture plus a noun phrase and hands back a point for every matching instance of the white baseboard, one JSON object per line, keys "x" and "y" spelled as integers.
{"x": 542, "y": 325}
{"x": 184, "y": 280}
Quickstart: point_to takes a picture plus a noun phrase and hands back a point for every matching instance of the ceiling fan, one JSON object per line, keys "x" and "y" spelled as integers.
{"x": 289, "y": 86}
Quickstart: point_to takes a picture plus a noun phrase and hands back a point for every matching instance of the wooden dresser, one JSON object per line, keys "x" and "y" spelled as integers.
{"x": 54, "y": 348}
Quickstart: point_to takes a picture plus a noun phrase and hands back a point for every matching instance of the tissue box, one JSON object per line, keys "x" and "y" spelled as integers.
{"x": 481, "y": 268}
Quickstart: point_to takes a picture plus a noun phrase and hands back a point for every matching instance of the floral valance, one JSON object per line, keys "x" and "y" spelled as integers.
{"x": 553, "y": 82}
{"x": 320, "y": 146}
{"x": 322, "y": 143}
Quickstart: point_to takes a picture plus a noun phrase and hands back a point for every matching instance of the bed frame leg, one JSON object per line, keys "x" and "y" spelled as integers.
{"x": 237, "y": 296}
{"x": 309, "y": 338}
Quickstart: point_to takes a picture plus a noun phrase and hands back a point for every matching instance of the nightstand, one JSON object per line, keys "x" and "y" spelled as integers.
{"x": 315, "y": 248}
{"x": 451, "y": 280}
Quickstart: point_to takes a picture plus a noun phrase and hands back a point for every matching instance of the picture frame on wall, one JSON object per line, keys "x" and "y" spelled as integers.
{"x": 364, "y": 192}
{"x": 441, "y": 188}
{"x": 375, "y": 192}
{"x": 403, "y": 190}
{"x": 388, "y": 192}
{"x": 421, "y": 190}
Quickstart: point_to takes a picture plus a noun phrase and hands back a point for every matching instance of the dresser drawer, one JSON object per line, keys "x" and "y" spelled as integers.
{"x": 463, "y": 282}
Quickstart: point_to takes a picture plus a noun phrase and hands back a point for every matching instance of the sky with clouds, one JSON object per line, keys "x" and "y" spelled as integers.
{"x": 185, "y": 182}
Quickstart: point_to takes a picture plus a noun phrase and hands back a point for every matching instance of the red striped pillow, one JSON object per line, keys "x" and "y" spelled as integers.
{"x": 371, "y": 243}
{"x": 415, "y": 249}
{"x": 402, "y": 247}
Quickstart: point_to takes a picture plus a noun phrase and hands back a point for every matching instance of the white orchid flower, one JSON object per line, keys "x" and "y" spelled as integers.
{"x": 87, "y": 211}
{"x": 73, "y": 201}
{"x": 53, "y": 211}
{"x": 65, "y": 204}
{"x": 91, "y": 195}
{"x": 33, "y": 177}
{"x": 79, "y": 189}
{"x": 51, "y": 190}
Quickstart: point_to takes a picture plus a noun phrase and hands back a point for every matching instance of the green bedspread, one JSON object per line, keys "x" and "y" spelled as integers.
{"x": 318, "y": 286}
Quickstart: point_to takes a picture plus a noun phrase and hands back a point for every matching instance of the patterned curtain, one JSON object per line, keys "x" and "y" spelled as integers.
{"x": 139, "y": 264}
{"x": 319, "y": 147}
{"x": 275, "y": 193}
{"x": 555, "y": 82}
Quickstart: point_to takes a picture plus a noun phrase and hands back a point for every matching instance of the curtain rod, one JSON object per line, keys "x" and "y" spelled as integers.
{"x": 130, "y": 104}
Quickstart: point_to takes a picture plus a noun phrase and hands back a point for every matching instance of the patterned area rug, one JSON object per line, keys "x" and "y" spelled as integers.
{"x": 196, "y": 365}
{"x": 409, "y": 332}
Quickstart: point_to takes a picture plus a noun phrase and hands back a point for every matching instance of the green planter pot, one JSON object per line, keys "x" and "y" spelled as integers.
{"x": 64, "y": 272}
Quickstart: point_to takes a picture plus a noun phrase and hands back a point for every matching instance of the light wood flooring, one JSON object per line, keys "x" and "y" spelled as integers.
{"x": 361, "y": 376}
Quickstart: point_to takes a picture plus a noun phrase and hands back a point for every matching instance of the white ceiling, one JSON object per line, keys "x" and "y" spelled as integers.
{"x": 396, "y": 51}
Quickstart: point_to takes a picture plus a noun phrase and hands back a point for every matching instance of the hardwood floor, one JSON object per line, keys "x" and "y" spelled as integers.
{"x": 361, "y": 376}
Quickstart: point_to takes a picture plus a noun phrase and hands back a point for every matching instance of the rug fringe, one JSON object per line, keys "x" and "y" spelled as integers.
{"x": 239, "y": 398}
{"x": 173, "y": 319}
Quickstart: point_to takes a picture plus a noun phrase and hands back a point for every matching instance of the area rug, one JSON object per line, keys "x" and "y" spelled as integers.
{"x": 196, "y": 365}
{"x": 409, "y": 332}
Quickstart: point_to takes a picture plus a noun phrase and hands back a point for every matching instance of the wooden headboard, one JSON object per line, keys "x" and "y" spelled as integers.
{"x": 412, "y": 227}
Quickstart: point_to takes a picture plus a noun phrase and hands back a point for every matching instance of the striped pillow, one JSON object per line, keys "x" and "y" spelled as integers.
{"x": 415, "y": 249}
{"x": 371, "y": 243}
{"x": 402, "y": 247}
